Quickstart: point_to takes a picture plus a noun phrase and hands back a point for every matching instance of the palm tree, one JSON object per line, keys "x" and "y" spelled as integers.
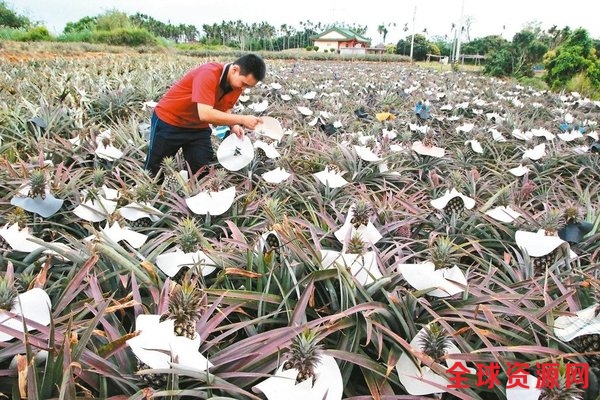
{"x": 382, "y": 31}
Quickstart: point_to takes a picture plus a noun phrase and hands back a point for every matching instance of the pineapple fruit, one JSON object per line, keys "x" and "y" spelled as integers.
{"x": 429, "y": 140}
{"x": 455, "y": 205}
{"x": 4, "y": 246}
{"x": 272, "y": 249}
{"x": 540, "y": 264}
{"x": 588, "y": 344}
{"x": 303, "y": 355}
{"x": 170, "y": 182}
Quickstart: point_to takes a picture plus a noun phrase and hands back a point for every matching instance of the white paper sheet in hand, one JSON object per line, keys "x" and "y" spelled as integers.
{"x": 235, "y": 153}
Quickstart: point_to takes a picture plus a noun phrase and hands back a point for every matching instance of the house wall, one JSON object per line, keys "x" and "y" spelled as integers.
{"x": 352, "y": 51}
{"x": 325, "y": 45}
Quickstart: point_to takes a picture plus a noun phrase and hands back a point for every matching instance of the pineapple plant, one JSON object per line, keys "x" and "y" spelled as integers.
{"x": 304, "y": 354}
{"x": 442, "y": 252}
{"x": 504, "y": 197}
{"x": 98, "y": 177}
{"x": 362, "y": 213}
{"x": 551, "y": 222}
{"x": 356, "y": 245}
{"x": 17, "y": 216}
{"x": 457, "y": 179}
{"x": 435, "y": 342}
{"x": 217, "y": 181}
{"x": 185, "y": 303}
{"x": 37, "y": 183}
{"x": 8, "y": 293}
{"x": 571, "y": 215}
{"x": 188, "y": 235}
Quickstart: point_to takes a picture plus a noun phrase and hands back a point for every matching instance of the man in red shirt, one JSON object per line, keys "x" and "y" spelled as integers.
{"x": 205, "y": 95}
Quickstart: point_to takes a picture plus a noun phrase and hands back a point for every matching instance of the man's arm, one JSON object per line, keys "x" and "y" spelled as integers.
{"x": 212, "y": 116}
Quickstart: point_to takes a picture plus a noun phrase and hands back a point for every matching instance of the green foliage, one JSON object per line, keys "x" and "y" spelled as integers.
{"x": 10, "y": 19}
{"x": 85, "y": 24}
{"x": 167, "y": 31}
{"x": 582, "y": 84}
{"x": 10, "y": 33}
{"x": 575, "y": 56}
{"x": 124, "y": 37}
{"x": 527, "y": 50}
{"x": 75, "y": 37}
{"x": 484, "y": 45}
{"x": 534, "y": 82}
{"x": 113, "y": 20}
{"x": 444, "y": 46}
{"x": 499, "y": 62}
{"x": 518, "y": 57}
{"x": 421, "y": 47}
{"x": 35, "y": 34}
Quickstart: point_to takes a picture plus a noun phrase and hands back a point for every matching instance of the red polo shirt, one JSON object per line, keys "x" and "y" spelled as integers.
{"x": 200, "y": 85}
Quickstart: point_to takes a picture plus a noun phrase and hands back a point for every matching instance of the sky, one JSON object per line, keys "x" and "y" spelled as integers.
{"x": 504, "y": 17}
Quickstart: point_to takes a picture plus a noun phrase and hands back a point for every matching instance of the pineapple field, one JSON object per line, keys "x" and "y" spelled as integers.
{"x": 394, "y": 232}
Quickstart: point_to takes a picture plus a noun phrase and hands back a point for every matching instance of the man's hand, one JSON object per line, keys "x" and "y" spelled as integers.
{"x": 250, "y": 121}
{"x": 238, "y": 130}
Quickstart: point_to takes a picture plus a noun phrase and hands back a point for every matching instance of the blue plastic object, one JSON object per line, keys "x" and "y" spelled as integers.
{"x": 422, "y": 110}
{"x": 221, "y": 131}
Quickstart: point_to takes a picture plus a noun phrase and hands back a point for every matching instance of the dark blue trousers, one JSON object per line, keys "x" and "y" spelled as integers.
{"x": 166, "y": 140}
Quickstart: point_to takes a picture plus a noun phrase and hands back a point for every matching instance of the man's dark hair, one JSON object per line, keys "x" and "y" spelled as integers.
{"x": 252, "y": 64}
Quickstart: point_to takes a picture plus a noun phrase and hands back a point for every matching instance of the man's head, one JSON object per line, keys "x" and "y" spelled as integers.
{"x": 247, "y": 71}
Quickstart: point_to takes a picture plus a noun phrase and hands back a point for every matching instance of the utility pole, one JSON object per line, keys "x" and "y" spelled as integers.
{"x": 459, "y": 35}
{"x": 412, "y": 41}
